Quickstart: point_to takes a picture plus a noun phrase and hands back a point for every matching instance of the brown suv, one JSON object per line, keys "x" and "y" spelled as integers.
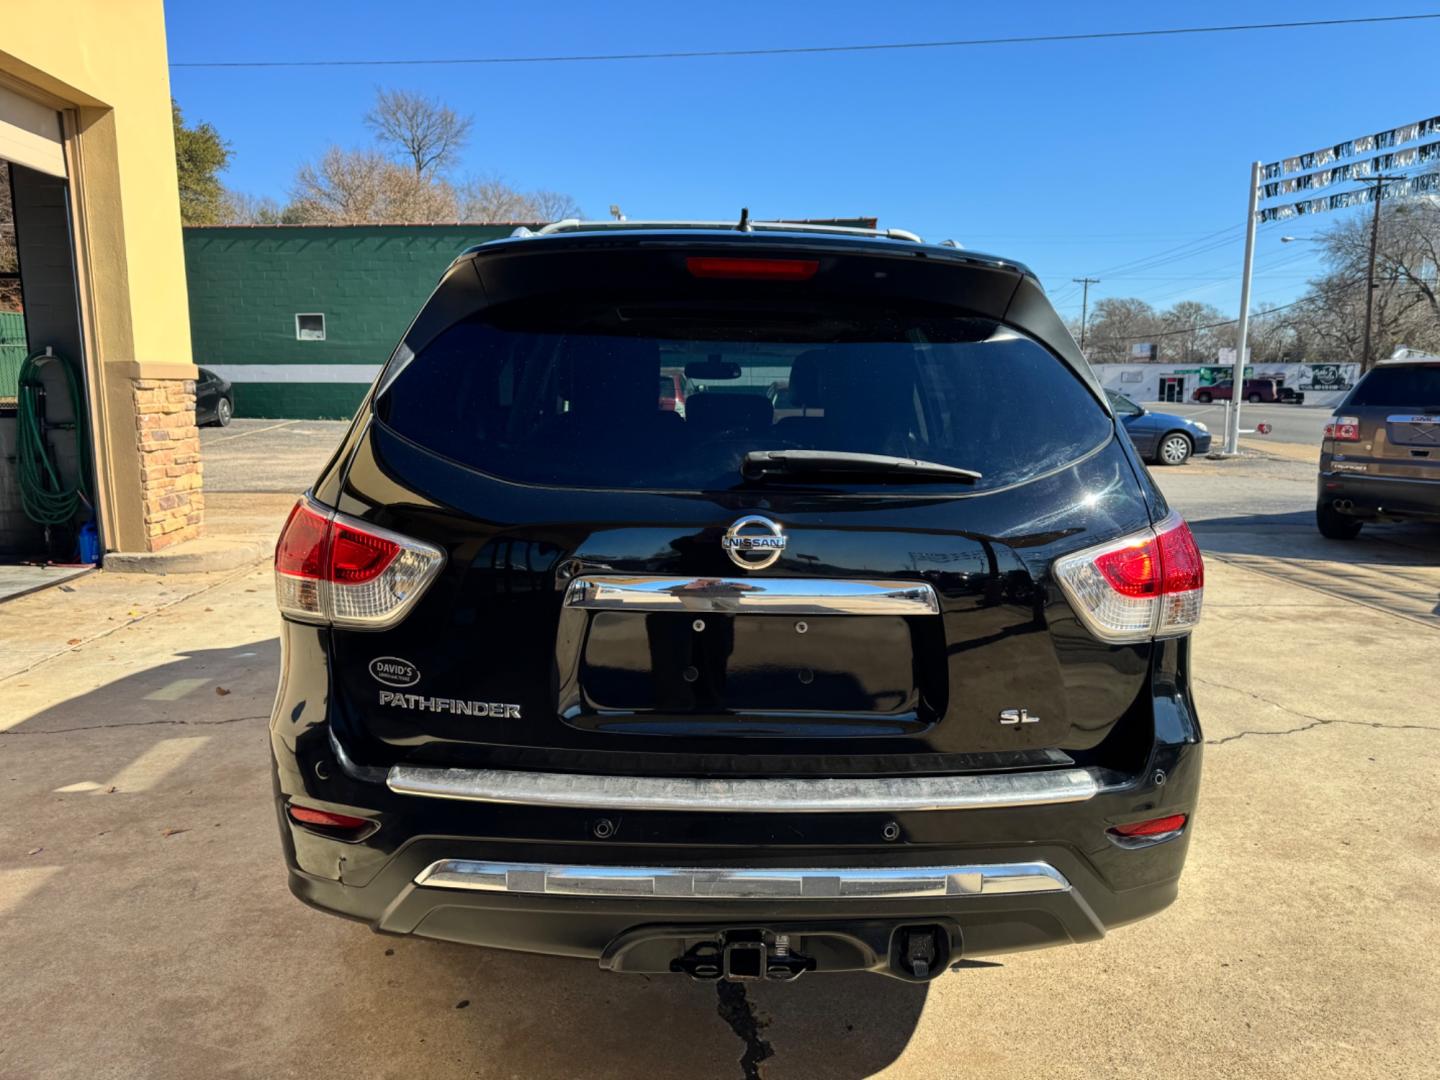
{"x": 1381, "y": 456}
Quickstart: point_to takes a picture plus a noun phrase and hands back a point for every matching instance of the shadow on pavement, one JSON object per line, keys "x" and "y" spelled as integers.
{"x": 155, "y": 905}
{"x": 1293, "y": 534}
{"x": 512, "y": 1014}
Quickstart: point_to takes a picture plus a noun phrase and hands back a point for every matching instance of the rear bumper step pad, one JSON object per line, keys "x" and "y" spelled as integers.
{"x": 726, "y": 796}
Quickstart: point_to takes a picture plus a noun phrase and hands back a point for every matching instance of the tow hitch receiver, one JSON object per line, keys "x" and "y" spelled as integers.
{"x": 745, "y": 955}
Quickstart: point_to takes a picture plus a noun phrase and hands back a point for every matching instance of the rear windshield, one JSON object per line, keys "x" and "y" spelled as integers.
{"x": 566, "y": 394}
{"x": 1413, "y": 387}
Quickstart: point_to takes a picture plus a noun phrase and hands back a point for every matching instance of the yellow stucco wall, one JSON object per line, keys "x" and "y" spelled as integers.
{"x": 104, "y": 62}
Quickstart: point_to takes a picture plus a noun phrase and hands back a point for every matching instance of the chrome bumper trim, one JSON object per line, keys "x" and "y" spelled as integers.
{"x": 731, "y": 883}
{"x": 836, "y": 795}
{"x": 773, "y": 596}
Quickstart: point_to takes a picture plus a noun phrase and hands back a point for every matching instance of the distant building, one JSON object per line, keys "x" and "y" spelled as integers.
{"x": 1322, "y": 384}
{"x": 301, "y": 317}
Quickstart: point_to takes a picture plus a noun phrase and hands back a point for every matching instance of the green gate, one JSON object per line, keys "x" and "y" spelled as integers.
{"x": 12, "y": 354}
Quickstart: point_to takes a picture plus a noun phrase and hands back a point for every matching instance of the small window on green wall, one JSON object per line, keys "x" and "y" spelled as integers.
{"x": 310, "y": 327}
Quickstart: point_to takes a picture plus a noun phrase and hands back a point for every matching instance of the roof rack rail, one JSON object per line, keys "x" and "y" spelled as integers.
{"x": 576, "y": 225}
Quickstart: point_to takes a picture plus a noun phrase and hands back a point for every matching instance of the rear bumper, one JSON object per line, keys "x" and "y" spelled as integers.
{"x": 650, "y": 933}
{"x": 1380, "y": 496}
{"x": 638, "y": 889}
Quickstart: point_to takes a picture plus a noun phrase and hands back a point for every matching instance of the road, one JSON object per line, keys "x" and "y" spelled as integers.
{"x": 1290, "y": 423}
{"x": 147, "y": 930}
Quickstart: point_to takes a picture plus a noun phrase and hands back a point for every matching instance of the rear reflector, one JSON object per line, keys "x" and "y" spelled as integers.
{"x": 325, "y": 819}
{"x": 333, "y": 569}
{"x": 1154, "y": 827}
{"x": 1343, "y": 429}
{"x": 754, "y": 269}
{"x": 1146, "y": 585}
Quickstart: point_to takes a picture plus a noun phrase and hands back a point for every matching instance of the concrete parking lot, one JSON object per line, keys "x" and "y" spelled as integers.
{"x": 147, "y": 930}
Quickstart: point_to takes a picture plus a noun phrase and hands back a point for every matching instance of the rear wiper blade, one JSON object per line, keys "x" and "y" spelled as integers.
{"x": 759, "y": 464}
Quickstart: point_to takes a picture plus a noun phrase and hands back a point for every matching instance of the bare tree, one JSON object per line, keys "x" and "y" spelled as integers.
{"x": 1117, "y": 324}
{"x": 1189, "y": 332}
{"x": 241, "y": 208}
{"x": 421, "y": 131}
{"x": 554, "y": 206}
{"x": 1273, "y": 338}
{"x": 352, "y": 187}
{"x": 9, "y": 256}
{"x": 1329, "y": 320}
{"x": 489, "y": 199}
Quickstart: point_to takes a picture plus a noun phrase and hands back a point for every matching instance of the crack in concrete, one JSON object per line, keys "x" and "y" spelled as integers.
{"x": 737, "y": 1011}
{"x": 139, "y": 723}
{"x": 1315, "y": 721}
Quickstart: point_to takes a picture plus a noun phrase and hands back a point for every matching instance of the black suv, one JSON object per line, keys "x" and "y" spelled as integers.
{"x": 896, "y": 677}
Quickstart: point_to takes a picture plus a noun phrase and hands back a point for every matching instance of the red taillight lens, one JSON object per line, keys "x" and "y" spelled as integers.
{"x": 1132, "y": 570}
{"x": 300, "y": 551}
{"x": 704, "y": 266}
{"x": 308, "y": 815}
{"x": 338, "y": 826}
{"x": 1182, "y": 568}
{"x": 334, "y": 569}
{"x": 357, "y": 557}
{"x": 1154, "y": 827}
{"x": 1343, "y": 429}
{"x": 1149, "y": 584}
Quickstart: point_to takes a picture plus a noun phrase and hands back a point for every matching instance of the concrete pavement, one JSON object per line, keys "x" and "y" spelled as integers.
{"x": 147, "y": 931}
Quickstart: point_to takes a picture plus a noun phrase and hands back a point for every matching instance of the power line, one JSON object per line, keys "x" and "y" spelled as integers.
{"x": 1035, "y": 39}
{"x": 1208, "y": 242}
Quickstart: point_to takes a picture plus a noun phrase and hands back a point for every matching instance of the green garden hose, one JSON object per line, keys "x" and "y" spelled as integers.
{"x": 44, "y": 495}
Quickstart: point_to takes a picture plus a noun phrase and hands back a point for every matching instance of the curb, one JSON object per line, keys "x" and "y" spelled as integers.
{"x": 201, "y": 556}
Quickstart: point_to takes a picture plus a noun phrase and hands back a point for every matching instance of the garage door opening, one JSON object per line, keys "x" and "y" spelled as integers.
{"x": 48, "y": 524}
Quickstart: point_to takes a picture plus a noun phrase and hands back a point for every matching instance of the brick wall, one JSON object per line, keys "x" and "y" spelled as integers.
{"x": 170, "y": 467}
{"x": 247, "y": 284}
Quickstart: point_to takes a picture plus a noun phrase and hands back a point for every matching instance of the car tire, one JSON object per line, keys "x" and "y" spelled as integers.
{"x": 1204, "y": 397}
{"x": 1174, "y": 448}
{"x": 224, "y": 411}
{"x": 1334, "y": 525}
{"x": 1254, "y": 399}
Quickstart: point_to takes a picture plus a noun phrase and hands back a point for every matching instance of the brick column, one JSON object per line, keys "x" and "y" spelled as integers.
{"x": 170, "y": 468}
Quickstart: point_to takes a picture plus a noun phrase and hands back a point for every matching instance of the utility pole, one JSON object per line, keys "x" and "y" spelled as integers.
{"x": 1237, "y": 377}
{"x": 1380, "y": 182}
{"x": 1086, "y": 282}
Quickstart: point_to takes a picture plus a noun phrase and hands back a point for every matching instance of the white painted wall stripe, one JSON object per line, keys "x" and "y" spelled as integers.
{"x": 296, "y": 373}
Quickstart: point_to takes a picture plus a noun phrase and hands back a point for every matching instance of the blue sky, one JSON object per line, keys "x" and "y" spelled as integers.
{"x": 1076, "y": 158}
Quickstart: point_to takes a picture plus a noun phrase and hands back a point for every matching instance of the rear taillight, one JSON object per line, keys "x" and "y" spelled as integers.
{"x": 333, "y": 569}
{"x": 1146, "y": 585}
{"x": 1343, "y": 429}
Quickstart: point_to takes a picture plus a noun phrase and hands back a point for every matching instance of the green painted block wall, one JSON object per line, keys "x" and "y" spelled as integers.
{"x": 247, "y": 284}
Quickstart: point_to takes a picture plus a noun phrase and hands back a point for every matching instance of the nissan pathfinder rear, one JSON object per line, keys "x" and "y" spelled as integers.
{"x": 891, "y": 676}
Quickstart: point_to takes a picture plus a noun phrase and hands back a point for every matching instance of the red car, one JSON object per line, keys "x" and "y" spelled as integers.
{"x": 1255, "y": 390}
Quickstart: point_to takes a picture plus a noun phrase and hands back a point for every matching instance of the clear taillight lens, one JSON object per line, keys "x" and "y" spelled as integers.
{"x": 1343, "y": 429}
{"x": 333, "y": 569}
{"x": 1146, "y": 585}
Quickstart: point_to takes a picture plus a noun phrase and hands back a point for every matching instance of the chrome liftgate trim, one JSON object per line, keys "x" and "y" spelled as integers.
{"x": 759, "y": 595}
{"x": 743, "y": 883}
